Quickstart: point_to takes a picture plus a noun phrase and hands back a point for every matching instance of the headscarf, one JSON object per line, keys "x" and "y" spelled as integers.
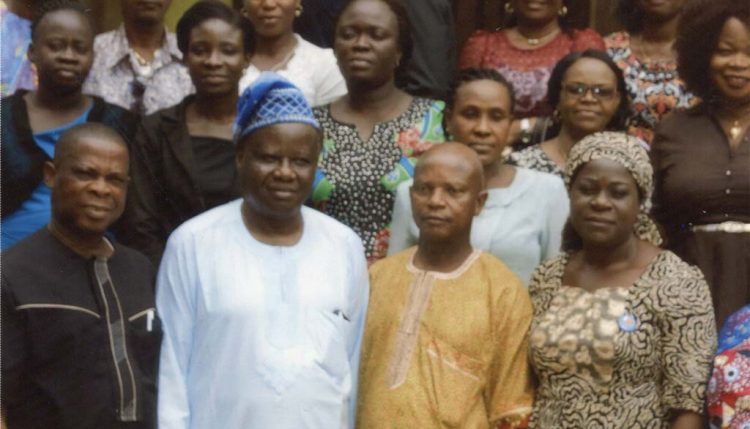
{"x": 628, "y": 152}
{"x": 271, "y": 100}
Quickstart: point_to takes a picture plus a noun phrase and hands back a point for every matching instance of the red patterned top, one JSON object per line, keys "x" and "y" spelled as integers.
{"x": 527, "y": 69}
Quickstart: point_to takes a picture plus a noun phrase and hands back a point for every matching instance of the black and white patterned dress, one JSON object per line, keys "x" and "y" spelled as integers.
{"x": 534, "y": 158}
{"x": 620, "y": 357}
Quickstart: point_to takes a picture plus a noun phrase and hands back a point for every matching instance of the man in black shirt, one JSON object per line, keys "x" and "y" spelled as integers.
{"x": 80, "y": 337}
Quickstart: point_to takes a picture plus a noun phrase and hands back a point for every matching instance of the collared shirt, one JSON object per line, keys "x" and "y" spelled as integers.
{"x": 80, "y": 338}
{"x": 260, "y": 336}
{"x": 16, "y": 71}
{"x": 118, "y": 78}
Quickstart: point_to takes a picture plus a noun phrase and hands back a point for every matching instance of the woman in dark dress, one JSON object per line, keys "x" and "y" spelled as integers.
{"x": 701, "y": 157}
{"x": 184, "y": 163}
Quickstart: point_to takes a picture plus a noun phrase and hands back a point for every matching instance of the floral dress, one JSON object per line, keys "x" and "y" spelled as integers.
{"x": 654, "y": 88}
{"x": 535, "y": 158}
{"x": 356, "y": 180}
{"x": 620, "y": 357}
{"x": 729, "y": 388}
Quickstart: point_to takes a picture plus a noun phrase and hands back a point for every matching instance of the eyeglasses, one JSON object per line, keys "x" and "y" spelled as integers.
{"x": 579, "y": 90}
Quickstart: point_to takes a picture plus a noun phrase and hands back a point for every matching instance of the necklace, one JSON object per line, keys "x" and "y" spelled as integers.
{"x": 535, "y": 41}
{"x": 735, "y": 130}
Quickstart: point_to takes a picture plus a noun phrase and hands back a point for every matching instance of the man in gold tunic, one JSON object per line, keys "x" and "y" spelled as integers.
{"x": 445, "y": 341}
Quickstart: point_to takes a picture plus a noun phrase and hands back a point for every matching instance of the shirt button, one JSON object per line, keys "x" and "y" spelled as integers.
{"x": 729, "y": 172}
{"x": 728, "y": 191}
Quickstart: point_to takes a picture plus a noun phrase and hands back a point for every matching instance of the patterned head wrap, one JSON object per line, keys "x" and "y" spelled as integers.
{"x": 271, "y": 100}
{"x": 628, "y": 152}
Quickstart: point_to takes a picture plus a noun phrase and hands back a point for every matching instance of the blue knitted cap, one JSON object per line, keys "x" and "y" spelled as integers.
{"x": 270, "y": 100}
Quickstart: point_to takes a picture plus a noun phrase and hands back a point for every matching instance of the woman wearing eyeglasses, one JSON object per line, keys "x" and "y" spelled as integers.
{"x": 587, "y": 92}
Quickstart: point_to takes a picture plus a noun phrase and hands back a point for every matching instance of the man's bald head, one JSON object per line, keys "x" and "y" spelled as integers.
{"x": 456, "y": 155}
{"x": 447, "y": 193}
{"x": 88, "y": 133}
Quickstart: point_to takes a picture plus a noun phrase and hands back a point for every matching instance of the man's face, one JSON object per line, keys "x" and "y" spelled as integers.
{"x": 277, "y": 165}
{"x": 89, "y": 185}
{"x": 145, "y": 11}
{"x": 446, "y": 195}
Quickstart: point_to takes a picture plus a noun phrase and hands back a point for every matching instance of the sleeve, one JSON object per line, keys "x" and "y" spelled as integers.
{"x": 401, "y": 231}
{"x": 360, "y": 298}
{"x": 510, "y": 384}
{"x": 330, "y": 83}
{"x": 588, "y": 39}
{"x": 176, "y": 305}
{"x": 13, "y": 347}
{"x": 687, "y": 330}
{"x": 148, "y": 233}
{"x": 472, "y": 54}
{"x": 557, "y": 214}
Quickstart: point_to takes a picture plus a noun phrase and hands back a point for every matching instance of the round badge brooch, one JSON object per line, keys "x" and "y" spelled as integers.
{"x": 628, "y": 322}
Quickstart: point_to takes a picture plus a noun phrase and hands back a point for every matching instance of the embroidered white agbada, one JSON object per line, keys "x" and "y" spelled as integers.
{"x": 260, "y": 336}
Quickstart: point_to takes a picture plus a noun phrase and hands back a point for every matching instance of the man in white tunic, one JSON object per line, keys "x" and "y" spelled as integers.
{"x": 263, "y": 301}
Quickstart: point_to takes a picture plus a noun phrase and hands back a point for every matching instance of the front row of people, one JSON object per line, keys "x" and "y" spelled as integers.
{"x": 264, "y": 302}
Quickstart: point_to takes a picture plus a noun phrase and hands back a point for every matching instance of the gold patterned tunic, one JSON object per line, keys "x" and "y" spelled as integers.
{"x": 620, "y": 357}
{"x": 445, "y": 350}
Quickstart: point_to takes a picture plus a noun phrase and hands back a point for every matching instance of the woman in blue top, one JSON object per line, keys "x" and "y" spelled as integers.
{"x": 522, "y": 220}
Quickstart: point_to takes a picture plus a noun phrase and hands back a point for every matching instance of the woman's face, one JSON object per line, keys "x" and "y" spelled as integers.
{"x": 481, "y": 118}
{"x": 215, "y": 57}
{"x": 660, "y": 9}
{"x": 589, "y": 97}
{"x": 366, "y": 43}
{"x": 271, "y": 18}
{"x": 63, "y": 50}
{"x": 604, "y": 203}
{"x": 730, "y": 63}
{"x": 537, "y": 11}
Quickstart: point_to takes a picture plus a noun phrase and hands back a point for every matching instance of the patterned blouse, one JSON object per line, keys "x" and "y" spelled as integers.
{"x": 356, "y": 181}
{"x": 528, "y": 70}
{"x": 534, "y": 158}
{"x": 620, "y": 357}
{"x": 729, "y": 388}
{"x": 653, "y": 87}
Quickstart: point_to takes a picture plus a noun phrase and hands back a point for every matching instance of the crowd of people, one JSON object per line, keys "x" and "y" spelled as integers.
{"x": 268, "y": 220}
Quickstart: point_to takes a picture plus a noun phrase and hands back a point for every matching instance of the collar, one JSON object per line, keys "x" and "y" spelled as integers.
{"x": 119, "y": 48}
{"x": 105, "y": 252}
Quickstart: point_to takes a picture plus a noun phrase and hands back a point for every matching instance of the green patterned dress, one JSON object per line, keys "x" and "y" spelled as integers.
{"x": 356, "y": 180}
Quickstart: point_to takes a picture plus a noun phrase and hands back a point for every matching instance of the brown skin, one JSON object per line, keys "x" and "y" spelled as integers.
{"x": 447, "y": 193}
{"x": 366, "y": 47}
{"x": 89, "y": 181}
{"x": 655, "y": 42}
{"x": 604, "y": 203}
{"x": 144, "y": 25}
{"x": 582, "y": 115}
{"x": 273, "y": 21}
{"x": 730, "y": 75}
{"x": 481, "y": 118}
{"x": 215, "y": 59}
{"x": 62, "y": 51}
{"x": 276, "y": 165}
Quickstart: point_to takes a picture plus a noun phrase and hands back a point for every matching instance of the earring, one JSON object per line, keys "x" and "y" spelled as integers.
{"x": 298, "y": 11}
{"x": 509, "y": 8}
{"x": 556, "y": 116}
{"x": 563, "y": 11}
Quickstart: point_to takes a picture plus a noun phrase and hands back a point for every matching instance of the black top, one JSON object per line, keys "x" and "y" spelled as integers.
{"x": 61, "y": 327}
{"x": 215, "y": 169}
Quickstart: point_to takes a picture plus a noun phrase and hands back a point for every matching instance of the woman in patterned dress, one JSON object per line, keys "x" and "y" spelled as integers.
{"x": 587, "y": 91}
{"x": 537, "y": 35}
{"x": 623, "y": 332}
{"x": 372, "y": 136}
{"x": 646, "y": 55}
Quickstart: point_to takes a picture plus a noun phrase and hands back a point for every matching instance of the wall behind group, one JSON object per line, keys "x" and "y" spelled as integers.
{"x": 107, "y": 13}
